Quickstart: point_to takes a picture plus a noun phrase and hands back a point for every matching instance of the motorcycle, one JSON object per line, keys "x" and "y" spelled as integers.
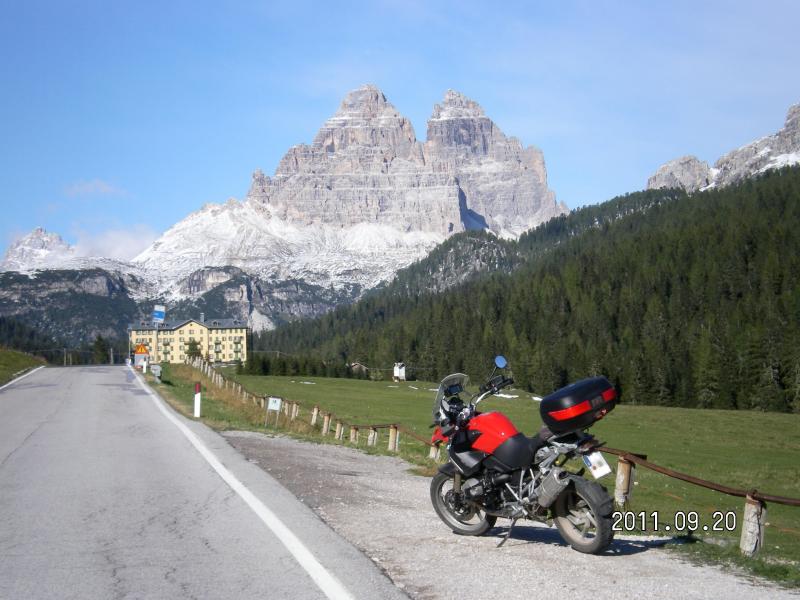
{"x": 494, "y": 471}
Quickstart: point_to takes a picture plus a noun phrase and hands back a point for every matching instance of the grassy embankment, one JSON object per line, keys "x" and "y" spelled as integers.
{"x": 739, "y": 449}
{"x": 13, "y": 362}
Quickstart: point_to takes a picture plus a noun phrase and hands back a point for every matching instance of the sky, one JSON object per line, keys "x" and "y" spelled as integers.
{"x": 117, "y": 119}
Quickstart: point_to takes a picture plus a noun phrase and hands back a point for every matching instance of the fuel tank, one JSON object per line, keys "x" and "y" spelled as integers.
{"x": 494, "y": 427}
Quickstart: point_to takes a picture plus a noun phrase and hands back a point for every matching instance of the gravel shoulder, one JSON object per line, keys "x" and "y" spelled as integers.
{"x": 385, "y": 511}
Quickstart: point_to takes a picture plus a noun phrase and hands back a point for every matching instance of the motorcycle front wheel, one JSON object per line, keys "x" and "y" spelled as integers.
{"x": 462, "y": 517}
{"x": 583, "y": 516}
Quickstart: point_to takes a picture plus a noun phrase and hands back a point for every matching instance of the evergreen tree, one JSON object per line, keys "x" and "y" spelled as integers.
{"x": 193, "y": 349}
{"x": 706, "y": 375}
{"x": 100, "y": 353}
{"x": 680, "y": 301}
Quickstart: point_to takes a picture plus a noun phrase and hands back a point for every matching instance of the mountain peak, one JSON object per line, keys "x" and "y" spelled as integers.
{"x": 365, "y": 101}
{"x": 688, "y": 173}
{"x": 36, "y": 249}
{"x": 456, "y": 105}
{"x": 365, "y": 119}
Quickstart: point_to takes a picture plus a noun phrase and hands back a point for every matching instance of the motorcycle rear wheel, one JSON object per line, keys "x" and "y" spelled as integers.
{"x": 583, "y": 516}
{"x": 462, "y": 517}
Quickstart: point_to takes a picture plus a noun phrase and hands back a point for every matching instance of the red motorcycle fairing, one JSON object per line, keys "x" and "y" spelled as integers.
{"x": 494, "y": 427}
{"x": 508, "y": 449}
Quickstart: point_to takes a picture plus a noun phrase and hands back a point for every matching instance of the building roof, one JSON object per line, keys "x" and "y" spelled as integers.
{"x": 173, "y": 325}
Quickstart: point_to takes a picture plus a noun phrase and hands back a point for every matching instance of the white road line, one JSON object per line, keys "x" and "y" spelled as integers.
{"x": 324, "y": 579}
{"x": 13, "y": 381}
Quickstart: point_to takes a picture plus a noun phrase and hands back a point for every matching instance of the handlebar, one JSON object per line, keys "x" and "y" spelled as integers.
{"x": 495, "y": 384}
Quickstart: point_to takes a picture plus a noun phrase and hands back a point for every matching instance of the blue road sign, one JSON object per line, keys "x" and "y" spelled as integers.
{"x": 159, "y": 312}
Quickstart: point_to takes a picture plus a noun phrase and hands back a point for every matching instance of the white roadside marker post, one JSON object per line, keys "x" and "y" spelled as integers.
{"x": 197, "y": 400}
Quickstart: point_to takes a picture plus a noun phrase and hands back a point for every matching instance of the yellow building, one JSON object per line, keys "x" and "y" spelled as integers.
{"x": 218, "y": 340}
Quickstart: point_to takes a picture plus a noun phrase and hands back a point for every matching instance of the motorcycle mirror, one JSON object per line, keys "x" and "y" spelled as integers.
{"x": 500, "y": 361}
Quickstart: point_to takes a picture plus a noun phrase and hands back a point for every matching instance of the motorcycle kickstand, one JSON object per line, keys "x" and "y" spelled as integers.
{"x": 508, "y": 533}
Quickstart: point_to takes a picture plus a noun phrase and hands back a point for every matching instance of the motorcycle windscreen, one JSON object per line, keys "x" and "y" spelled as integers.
{"x": 455, "y": 379}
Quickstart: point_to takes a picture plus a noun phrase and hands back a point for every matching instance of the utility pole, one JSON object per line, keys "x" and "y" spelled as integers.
{"x": 111, "y": 356}
{"x": 65, "y": 357}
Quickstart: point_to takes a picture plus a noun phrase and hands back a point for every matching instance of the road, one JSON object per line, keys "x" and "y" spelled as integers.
{"x": 375, "y": 502}
{"x": 102, "y": 495}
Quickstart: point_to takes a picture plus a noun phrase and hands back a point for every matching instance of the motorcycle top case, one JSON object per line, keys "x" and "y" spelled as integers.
{"x": 579, "y": 405}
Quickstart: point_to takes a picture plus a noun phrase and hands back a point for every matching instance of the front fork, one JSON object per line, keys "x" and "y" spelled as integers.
{"x": 457, "y": 482}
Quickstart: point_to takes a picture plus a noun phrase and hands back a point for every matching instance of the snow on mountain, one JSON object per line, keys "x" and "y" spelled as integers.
{"x": 37, "y": 250}
{"x": 366, "y": 198}
{"x": 246, "y": 236}
{"x": 41, "y": 250}
{"x": 782, "y": 149}
{"x": 339, "y": 216}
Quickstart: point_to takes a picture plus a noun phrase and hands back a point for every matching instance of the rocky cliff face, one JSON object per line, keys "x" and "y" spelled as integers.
{"x": 71, "y": 305}
{"x": 339, "y": 216}
{"x": 688, "y": 173}
{"x": 365, "y": 166}
{"x": 771, "y": 152}
{"x": 501, "y": 185}
{"x": 363, "y": 200}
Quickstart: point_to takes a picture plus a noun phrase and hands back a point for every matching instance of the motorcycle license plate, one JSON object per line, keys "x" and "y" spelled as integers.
{"x": 597, "y": 464}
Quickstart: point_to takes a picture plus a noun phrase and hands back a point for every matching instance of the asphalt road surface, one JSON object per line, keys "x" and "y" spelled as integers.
{"x": 104, "y": 493}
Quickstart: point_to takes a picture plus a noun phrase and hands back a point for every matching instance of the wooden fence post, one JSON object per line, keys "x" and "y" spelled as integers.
{"x": 626, "y": 472}
{"x": 339, "y": 430}
{"x": 314, "y": 415}
{"x": 394, "y": 438}
{"x": 354, "y": 435}
{"x": 261, "y": 402}
{"x": 434, "y": 453}
{"x": 294, "y": 411}
{"x": 755, "y": 518}
{"x": 326, "y": 423}
{"x": 372, "y": 437}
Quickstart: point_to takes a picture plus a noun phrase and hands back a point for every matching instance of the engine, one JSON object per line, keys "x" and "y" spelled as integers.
{"x": 487, "y": 489}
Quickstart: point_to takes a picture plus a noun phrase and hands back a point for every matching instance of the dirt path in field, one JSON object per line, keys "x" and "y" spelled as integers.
{"x": 375, "y": 503}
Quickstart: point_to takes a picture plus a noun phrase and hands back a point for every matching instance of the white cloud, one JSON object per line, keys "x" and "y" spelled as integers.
{"x": 93, "y": 187}
{"x": 121, "y": 244}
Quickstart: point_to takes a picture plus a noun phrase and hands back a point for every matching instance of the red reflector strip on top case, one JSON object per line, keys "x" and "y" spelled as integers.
{"x": 609, "y": 394}
{"x": 572, "y": 411}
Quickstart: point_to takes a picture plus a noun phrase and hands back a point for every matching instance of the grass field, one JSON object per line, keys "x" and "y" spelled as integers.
{"x": 738, "y": 449}
{"x": 12, "y": 362}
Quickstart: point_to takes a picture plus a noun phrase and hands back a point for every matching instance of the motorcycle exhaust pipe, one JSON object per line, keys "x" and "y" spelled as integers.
{"x": 551, "y": 487}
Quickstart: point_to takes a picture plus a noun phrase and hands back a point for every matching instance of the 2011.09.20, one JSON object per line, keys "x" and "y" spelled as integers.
{"x": 689, "y": 521}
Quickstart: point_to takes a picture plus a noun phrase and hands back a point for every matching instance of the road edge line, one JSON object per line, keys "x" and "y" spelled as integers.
{"x": 23, "y": 376}
{"x": 328, "y": 583}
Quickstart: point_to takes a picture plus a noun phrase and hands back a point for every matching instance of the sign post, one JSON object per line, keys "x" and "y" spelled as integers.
{"x": 273, "y": 403}
{"x": 159, "y": 312}
{"x": 197, "y": 400}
